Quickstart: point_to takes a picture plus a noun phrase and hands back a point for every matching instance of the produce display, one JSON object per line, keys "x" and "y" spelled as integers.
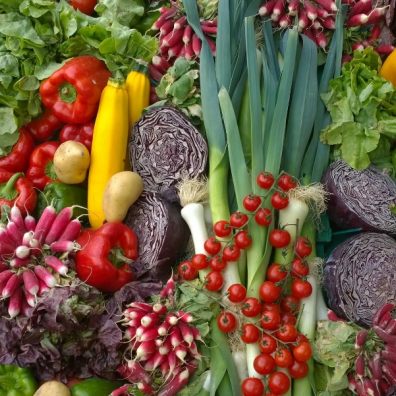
{"x": 197, "y": 198}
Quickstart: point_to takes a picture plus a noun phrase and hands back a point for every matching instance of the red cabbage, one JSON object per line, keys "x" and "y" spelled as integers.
{"x": 360, "y": 199}
{"x": 360, "y": 276}
{"x": 164, "y": 148}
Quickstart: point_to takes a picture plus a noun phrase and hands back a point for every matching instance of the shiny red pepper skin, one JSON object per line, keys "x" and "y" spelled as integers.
{"x": 44, "y": 127}
{"x": 79, "y": 133}
{"x": 17, "y": 189}
{"x": 17, "y": 160}
{"x": 94, "y": 262}
{"x": 85, "y": 6}
{"x": 73, "y": 92}
{"x": 40, "y": 171}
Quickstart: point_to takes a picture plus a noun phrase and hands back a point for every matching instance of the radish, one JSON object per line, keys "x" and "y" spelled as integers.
{"x": 141, "y": 306}
{"x": 278, "y": 9}
{"x": 146, "y": 388}
{"x": 166, "y": 28}
{"x": 322, "y": 13}
{"x": 44, "y": 224}
{"x": 161, "y": 63}
{"x": 164, "y": 367}
{"x": 194, "y": 351}
{"x": 4, "y": 276}
{"x": 159, "y": 341}
{"x": 17, "y": 262}
{"x": 181, "y": 352}
{"x": 72, "y": 231}
{"x": 187, "y": 34}
{"x": 154, "y": 361}
{"x": 165, "y": 348}
{"x": 328, "y": 5}
{"x": 361, "y": 7}
{"x": 185, "y": 316}
{"x": 172, "y": 38}
{"x": 3, "y": 266}
{"x": 320, "y": 38}
{"x": 155, "y": 74}
{"x": 30, "y": 299}
{"x": 145, "y": 350}
{"x": 133, "y": 323}
{"x": 27, "y": 237}
{"x": 175, "y": 50}
{"x": 175, "y": 337}
{"x": 163, "y": 328}
{"x": 171, "y": 319}
{"x": 267, "y": 8}
{"x": 285, "y": 21}
{"x": 357, "y": 20}
{"x": 26, "y": 309}
{"x": 22, "y": 252}
{"x": 176, "y": 384}
{"x": 196, "y": 44}
{"x": 186, "y": 332}
{"x": 188, "y": 51}
{"x": 30, "y": 223}
{"x": 43, "y": 288}
{"x": 30, "y": 282}
{"x": 12, "y": 284}
{"x": 293, "y": 7}
{"x": 169, "y": 13}
{"x": 63, "y": 246}
{"x": 130, "y": 333}
{"x": 311, "y": 10}
{"x": 172, "y": 360}
{"x": 16, "y": 217}
{"x": 209, "y": 29}
{"x": 328, "y": 23}
{"x": 14, "y": 232}
{"x": 377, "y": 14}
{"x": 45, "y": 276}
{"x": 212, "y": 45}
{"x": 375, "y": 33}
{"x": 14, "y": 305}
{"x": 180, "y": 23}
{"x": 169, "y": 288}
{"x": 384, "y": 49}
{"x": 56, "y": 264}
{"x": 7, "y": 243}
{"x": 60, "y": 223}
{"x": 136, "y": 372}
{"x": 34, "y": 243}
{"x": 136, "y": 314}
{"x": 303, "y": 20}
{"x": 160, "y": 309}
{"x": 121, "y": 391}
{"x": 148, "y": 335}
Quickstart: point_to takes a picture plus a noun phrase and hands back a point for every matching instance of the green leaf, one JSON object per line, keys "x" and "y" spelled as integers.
{"x": 8, "y": 124}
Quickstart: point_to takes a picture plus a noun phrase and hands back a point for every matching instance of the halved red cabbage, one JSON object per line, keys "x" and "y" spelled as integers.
{"x": 164, "y": 148}
{"x": 162, "y": 235}
{"x": 360, "y": 276}
{"x": 360, "y": 199}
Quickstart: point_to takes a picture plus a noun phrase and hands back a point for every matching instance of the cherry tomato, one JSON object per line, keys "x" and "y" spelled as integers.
{"x": 252, "y": 387}
{"x": 301, "y": 288}
{"x": 242, "y": 239}
{"x": 250, "y": 333}
{"x": 279, "y": 238}
{"x": 251, "y": 307}
{"x": 222, "y": 228}
{"x": 303, "y": 247}
{"x": 214, "y": 281}
{"x": 231, "y": 253}
{"x": 238, "y": 219}
{"x": 85, "y": 6}
{"x": 287, "y": 333}
{"x": 264, "y": 364}
{"x": 236, "y": 293}
{"x": 298, "y": 369}
{"x": 187, "y": 271}
{"x": 283, "y": 357}
{"x": 263, "y": 217}
{"x": 270, "y": 320}
{"x": 270, "y": 307}
{"x": 279, "y": 200}
{"x": 278, "y": 383}
{"x": 303, "y": 351}
{"x": 265, "y": 180}
{"x": 288, "y": 318}
{"x": 269, "y": 292}
{"x": 267, "y": 344}
{"x": 286, "y": 182}
{"x": 290, "y": 304}
{"x": 251, "y": 202}
{"x": 300, "y": 338}
{"x": 217, "y": 263}
{"x": 199, "y": 261}
{"x": 226, "y": 321}
{"x": 212, "y": 246}
{"x": 299, "y": 268}
{"x": 276, "y": 273}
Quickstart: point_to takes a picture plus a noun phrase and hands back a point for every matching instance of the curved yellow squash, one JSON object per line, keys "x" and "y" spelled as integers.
{"x": 138, "y": 87}
{"x": 388, "y": 69}
{"x": 109, "y": 146}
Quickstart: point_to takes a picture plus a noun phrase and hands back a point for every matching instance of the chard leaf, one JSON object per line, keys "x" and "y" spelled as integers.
{"x": 8, "y": 124}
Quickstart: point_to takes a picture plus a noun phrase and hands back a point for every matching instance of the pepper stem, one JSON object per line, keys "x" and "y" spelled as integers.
{"x": 8, "y": 191}
{"x": 68, "y": 93}
{"x": 118, "y": 259}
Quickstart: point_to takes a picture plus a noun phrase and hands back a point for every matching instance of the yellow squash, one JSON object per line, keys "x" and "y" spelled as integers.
{"x": 138, "y": 86}
{"x": 388, "y": 69}
{"x": 109, "y": 146}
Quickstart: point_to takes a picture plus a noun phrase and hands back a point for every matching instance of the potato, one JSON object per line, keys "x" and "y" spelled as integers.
{"x": 52, "y": 388}
{"x": 71, "y": 162}
{"x": 122, "y": 190}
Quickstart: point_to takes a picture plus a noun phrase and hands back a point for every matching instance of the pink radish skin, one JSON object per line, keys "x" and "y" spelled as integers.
{"x": 357, "y": 47}
{"x": 164, "y": 367}
{"x": 5, "y": 276}
{"x": 16, "y": 217}
{"x": 160, "y": 309}
{"x": 146, "y": 388}
{"x": 30, "y": 299}
{"x": 27, "y": 237}
{"x": 17, "y": 262}
{"x": 121, "y": 391}
{"x": 138, "y": 315}
{"x": 166, "y": 28}
{"x": 278, "y": 8}
{"x": 185, "y": 316}
{"x": 45, "y": 276}
{"x": 384, "y": 49}
{"x": 196, "y": 45}
{"x": 161, "y": 63}
{"x": 12, "y": 284}
{"x": 141, "y": 306}
{"x": 165, "y": 348}
{"x": 14, "y": 232}
{"x": 71, "y": 232}
{"x": 377, "y": 14}
{"x": 188, "y": 51}
{"x": 171, "y": 319}
{"x": 30, "y": 223}
{"x": 285, "y": 21}
{"x": 154, "y": 361}
{"x": 175, "y": 337}
{"x": 43, "y": 288}
{"x": 155, "y": 74}
{"x": 134, "y": 323}
{"x": 148, "y": 335}
{"x": 145, "y": 349}
{"x": 322, "y": 13}
{"x": 375, "y": 33}
{"x": 357, "y": 20}
{"x": 56, "y": 264}
{"x": 172, "y": 38}
{"x": 328, "y": 5}
{"x": 26, "y": 309}
{"x": 135, "y": 372}
{"x": 267, "y": 8}
{"x": 159, "y": 342}
{"x": 22, "y": 252}
{"x": 44, "y": 224}
{"x": 370, "y": 388}
{"x": 169, "y": 288}
{"x": 361, "y": 338}
{"x": 385, "y": 319}
{"x": 194, "y": 351}
{"x": 175, "y": 50}
{"x": 303, "y": 21}
{"x": 212, "y": 45}
{"x": 63, "y": 246}
{"x": 163, "y": 328}
{"x": 30, "y": 282}
{"x": 176, "y": 384}
{"x": 149, "y": 320}
{"x": 130, "y": 333}
{"x": 187, "y": 34}
{"x": 59, "y": 225}
{"x": 15, "y": 303}
{"x": 3, "y": 266}
{"x": 169, "y": 13}
{"x": 196, "y": 334}
{"x": 361, "y": 7}
{"x": 311, "y": 11}
{"x": 328, "y": 23}
{"x": 209, "y": 29}
{"x": 180, "y": 23}
{"x": 391, "y": 327}
{"x": 293, "y": 7}
{"x": 333, "y": 317}
{"x": 172, "y": 361}
{"x": 181, "y": 352}
{"x": 186, "y": 332}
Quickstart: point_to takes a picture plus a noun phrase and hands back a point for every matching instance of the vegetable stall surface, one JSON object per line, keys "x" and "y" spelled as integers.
{"x": 359, "y": 276}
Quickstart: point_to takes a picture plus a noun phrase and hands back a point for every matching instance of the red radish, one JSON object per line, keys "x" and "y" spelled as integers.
{"x": 159, "y": 342}
{"x": 357, "y": 20}
{"x": 121, "y": 391}
{"x": 30, "y": 282}
{"x": 14, "y": 232}
{"x": 172, "y": 360}
{"x": 181, "y": 352}
{"x": 22, "y": 252}
{"x": 12, "y": 284}
{"x": 30, "y": 223}
{"x": 166, "y": 28}
{"x": 328, "y": 5}
{"x": 63, "y": 246}
{"x": 175, "y": 50}
{"x": 361, "y": 7}
{"x": 14, "y": 305}
{"x": 285, "y": 21}
{"x": 4, "y": 276}
{"x": 375, "y": 33}
{"x": 293, "y": 7}
{"x": 16, "y": 262}
{"x": 165, "y": 348}
{"x": 160, "y": 309}
{"x": 27, "y": 237}
{"x": 187, "y": 34}
{"x": 26, "y": 309}
{"x": 180, "y": 23}
{"x": 137, "y": 314}
{"x": 154, "y": 361}
{"x": 163, "y": 328}
{"x": 3, "y": 266}
{"x": 321, "y": 39}
{"x": 155, "y": 74}
{"x": 160, "y": 63}
{"x": 59, "y": 225}
{"x": 175, "y": 337}
{"x": 169, "y": 13}
{"x": 194, "y": 351}
{"x": 279, "y": 8}
{"x": 209, "y": 29}
{"x": 369, "y": 387}
{"x": 133, "y": 323}
{"x": 322, "y": 13}
{"x": 303, "y": 20}
{"x": 172, "y": 38}
{"x": 141, "y": 306}
{"x": 311, "y": 10}
{"x": 186, "y": 332}
{"x": 56, "y": 264}
{"x": 171, "y": 319}
{"x": 145, "y": 350}
{"x": 182, "y": 53}
{"x": 5, "y": 240}
{"x": 267, "y": 8}
{"x": 148, "y": 335}
{"x": 328, "y": 23}
{"x": 196, "y": 334}
{"x": 188, "y": 51}
{"x": 384, "y": 49}
{"x": 34, "y": 243}
{"x": 377, "y": 14}
{"x": 44, "y": 224}
{"x": 196, "y": 44}
{"x": 149, "y": 320}
{"x": 43, "y": 288}
{"x": 16, "y": 217}
{"x": 185, "y": 316}
{"x": 212, "y": 45}
{"x": 176, "y": 384}
{"x": 169, "y": 288}
{"x": 316, "y": 25}
{"x": 136, "y": 372}
{"x": 164, "y": 367}
{"x": 45, "y": 276}
{"x": 361, "y": 338}
{"x": 72, "y": 231}
{"x": 30, "y": 299}
{"x": 130, "y": 333}
{"x": 146, "y": 388}
{"x": 357, "y": 47}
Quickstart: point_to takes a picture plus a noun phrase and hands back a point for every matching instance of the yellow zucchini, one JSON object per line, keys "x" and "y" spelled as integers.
{"x": 138, "y": 87}
{"x": 109, "y": 146}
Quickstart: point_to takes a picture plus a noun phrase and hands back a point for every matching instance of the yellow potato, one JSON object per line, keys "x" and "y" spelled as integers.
{"x": 122, "y": 190}
{"x": 53, "y": 388}
{"x": 71, "y": 162}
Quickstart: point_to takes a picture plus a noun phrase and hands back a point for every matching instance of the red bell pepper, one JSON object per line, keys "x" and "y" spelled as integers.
{"x": 44, "y": 127}
{"x": 85, "y": 6}
{"x": 105, "y": 256}
{"x": 73, "y": 92}
{"x": 17, "y": 160}
{"x": 41, "y": 168}
{"x": 79, "y": 133}
{"x": 17, "y": 190}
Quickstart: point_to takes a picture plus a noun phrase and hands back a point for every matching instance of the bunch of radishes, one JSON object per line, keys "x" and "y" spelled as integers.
{"x": 31, "y": 253}
{"x": 177, "y": 39}
{"x": 375, "y": 374}
{"x": 163, "y": 345}
{"x": 316, "y": 18}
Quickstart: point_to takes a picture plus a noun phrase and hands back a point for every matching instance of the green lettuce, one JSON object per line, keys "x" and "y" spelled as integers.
{"x": 362, "y": 106}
